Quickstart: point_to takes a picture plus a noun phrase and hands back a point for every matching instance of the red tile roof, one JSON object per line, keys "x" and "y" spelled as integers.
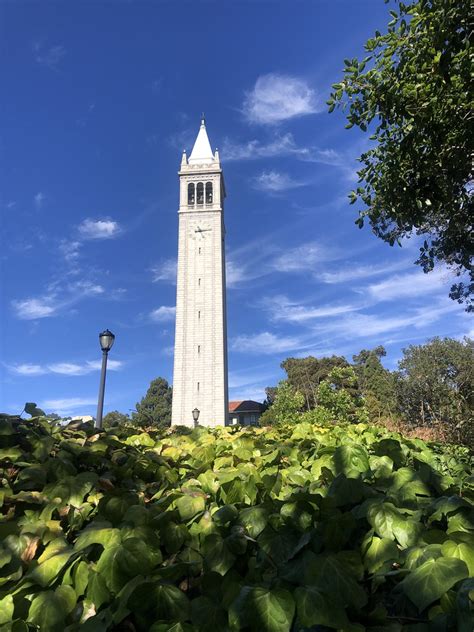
{"x": 245, "y": 405}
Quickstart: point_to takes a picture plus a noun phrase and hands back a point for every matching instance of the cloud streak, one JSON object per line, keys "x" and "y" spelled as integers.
{"x": 63, "y": 368}
{"x": 275, "y": 182}
{"x": 66, "y": 406}
{"x": 265, "y": 342}
{"x": 163, "y": 314}
{"x": 49, "y": 57}
{"x": 54, "y": 301}
{"x": 165, "y": 271}
{"x": 409, "y": 285}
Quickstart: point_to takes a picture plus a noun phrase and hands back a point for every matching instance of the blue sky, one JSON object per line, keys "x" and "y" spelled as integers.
{"x": 99, "y": 99}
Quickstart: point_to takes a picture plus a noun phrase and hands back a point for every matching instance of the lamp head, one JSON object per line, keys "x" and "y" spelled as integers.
{"x": 106, "y": 339}
{"x": 196, "y": 412}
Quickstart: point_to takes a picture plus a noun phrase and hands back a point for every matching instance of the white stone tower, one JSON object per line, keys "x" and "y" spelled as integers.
{"x": 200, "y": 351}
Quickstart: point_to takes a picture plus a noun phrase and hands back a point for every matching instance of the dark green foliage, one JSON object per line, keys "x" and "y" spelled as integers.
{"x": 305, "y": 374}
{"x": 115, "y": 418}
{"x": 155, "y": 408}
{"x": 436, "y": 385}
{"x": 305, "y": 527}
{"x": 414, "y": 86}
{"x": 376, "y": 383}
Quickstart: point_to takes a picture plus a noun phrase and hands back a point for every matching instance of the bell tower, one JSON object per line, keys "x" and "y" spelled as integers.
{"x": 200, "y": 351}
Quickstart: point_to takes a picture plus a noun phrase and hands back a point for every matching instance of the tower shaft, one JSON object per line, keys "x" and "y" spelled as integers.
{"x": 200, "y": 355}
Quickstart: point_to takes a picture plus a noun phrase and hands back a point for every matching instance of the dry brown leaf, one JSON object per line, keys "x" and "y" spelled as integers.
{"x": 106, "y": 483}
{"x": 30, "y": 551}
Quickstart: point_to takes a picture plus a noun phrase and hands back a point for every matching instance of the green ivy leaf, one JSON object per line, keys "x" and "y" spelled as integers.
{"x": 316, "y": 608}
{"x": 6, "y": 609}
{"x": 460, "y": 550}
{"x": 351, "y": 460}
{"x": 432, "y": 579}
{"x": 379, "y": 552}
{"x": 71, "y": 489}
{"x": 260, "y": 609}
{"x": 154, "y": 601}
{"x": 49, "y": 609}
{"x": 189, "y": 506}
{"x": 254, "y": 519}
{"x": 208, "y": 615}
{"x": 390, "y": 523}
{"x": 217, "y": 556}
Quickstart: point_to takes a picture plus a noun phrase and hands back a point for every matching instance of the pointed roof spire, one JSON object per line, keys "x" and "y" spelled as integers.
{"x": 202, "y": 152}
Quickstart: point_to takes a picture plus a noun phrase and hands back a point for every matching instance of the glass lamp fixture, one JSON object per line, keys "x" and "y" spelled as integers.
{"x": 106, "y": 339}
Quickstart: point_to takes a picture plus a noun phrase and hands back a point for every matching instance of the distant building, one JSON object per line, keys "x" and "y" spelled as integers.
{"x": 245, "y": 412}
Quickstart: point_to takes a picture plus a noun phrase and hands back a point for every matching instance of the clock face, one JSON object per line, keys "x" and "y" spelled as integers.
{"x": 199, "y": 230}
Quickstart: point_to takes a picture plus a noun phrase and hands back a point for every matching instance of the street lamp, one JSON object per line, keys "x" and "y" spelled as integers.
{"x": 106, "y": 339}
{"x": 196, "y": 412}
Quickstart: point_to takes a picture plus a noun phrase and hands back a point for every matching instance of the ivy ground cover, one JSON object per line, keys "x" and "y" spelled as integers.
{"x": 268, "y": 530}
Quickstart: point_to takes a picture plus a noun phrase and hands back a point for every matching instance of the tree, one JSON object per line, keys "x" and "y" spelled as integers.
{"x": 270, "y": 392}
{"x": 338, "y": 395}
{"x": 436, "y": 385}
{"x": 286, "y": 406}
{"x": 376, "y": 383}
{"x": 114, "y": 419}
{"x": 305, "y": 374}
{"x": 155, "y": 408}
{"x": 415, "y": 86}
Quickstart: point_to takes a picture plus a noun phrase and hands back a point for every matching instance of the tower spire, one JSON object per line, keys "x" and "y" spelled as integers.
{"x": 202, "y": 152}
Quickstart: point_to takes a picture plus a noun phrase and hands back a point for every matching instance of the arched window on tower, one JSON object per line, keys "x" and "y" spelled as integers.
{"x": 191, "y": 194}
{"x": 208, "y": 192}
{"x": 200, "y": 193}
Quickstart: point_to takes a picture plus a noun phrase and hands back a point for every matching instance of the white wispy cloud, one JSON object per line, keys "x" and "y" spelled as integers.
{"x": 273, "y": 182}
{"x": 281, "y": 308}
{"x": 303, "y": 257}
{"x": 234, "y": 274}
{"x": 98, "y": 229}
{"x": 363, "y": 325}
{"x": 238, "y": 379}
{"x": 57, "y": 298}
{"x": 238, "y": 274}
{"x": 265, "y": 342}
{"x": 254, "y": 393}
{"x": 33, "y": 308}
{"x": 163, "y": 313}
{"x": 414, "y": 284}
{"x": 64, "y": 368}
{"x": 86, "y": 288}
{"x": 358, "y": 272}
{"x": 39, "y": 200}
{"x": 48, "y": 56}
{"x": 70, "y": 249}
{"x": 278, "y": 145}
{"x": 276, "y": 98}
{"x": 67, "y": 405}
{"x": 27, "y": 369}
{"x": 165, "y": 271}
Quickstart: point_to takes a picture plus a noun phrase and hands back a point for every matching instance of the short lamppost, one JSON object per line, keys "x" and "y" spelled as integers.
{"x": 196, "y": 412}
{"x": 106, "y": 339}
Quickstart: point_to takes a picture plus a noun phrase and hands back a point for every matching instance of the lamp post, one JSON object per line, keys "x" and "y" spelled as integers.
{"x": 196, "y": 412}
{"x": 106, "y": 339}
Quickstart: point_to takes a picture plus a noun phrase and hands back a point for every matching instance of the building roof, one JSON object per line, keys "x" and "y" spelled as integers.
{"x": 202, "y": 152}
{"x": 245, "y": 406}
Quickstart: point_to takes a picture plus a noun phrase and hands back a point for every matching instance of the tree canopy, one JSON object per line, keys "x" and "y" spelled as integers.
{"x": 415, "y": 87}
{"x": 433, "y": 390}
{"x": 305, "y": 374}
{"x": 436, "y": 385}
{"x": 155, "y": 408}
